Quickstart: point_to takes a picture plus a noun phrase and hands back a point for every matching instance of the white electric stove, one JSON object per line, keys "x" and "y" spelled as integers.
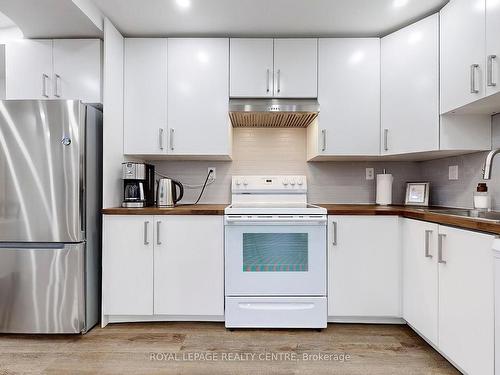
{"x": 275, "y": 255}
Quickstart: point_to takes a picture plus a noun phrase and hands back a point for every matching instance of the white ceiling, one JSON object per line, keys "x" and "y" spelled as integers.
{"x": 264, "y": 17}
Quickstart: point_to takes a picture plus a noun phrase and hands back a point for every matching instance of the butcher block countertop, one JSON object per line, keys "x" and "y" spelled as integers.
{"x": 424, "y": 214}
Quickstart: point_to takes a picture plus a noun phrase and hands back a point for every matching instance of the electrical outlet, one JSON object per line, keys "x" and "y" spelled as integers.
{"x": 453, "y": 172}
{"x": 213, "y": 175}
{"x": 370, "y": 173}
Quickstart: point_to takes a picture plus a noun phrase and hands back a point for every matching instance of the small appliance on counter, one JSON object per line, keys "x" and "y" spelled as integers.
{"x": 138, "y": 184}
{"x": 384, "y": 188}
{"x": 166, "y": 192}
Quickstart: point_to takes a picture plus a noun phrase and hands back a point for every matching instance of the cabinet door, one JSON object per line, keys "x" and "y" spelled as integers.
{"x": 349, "y": 94}
{"x": 78, "y": 69}
{"x": 198, "y": 96}
{"x": 28, "y": 73}
{"x": 127, "y": 265}
{"x": 296, "y": 68}
{"x": 466, "y": 304}
{"x": 145, "y": 96}
{"x": 492, "y": 47}
{"x": 410, "y": 88}
{"x": 189, "y": 265}
{"x": 420, "y": 277}
{"x": 364, "y": 266}
{"x": 251, "y": 66}
{"x": 462, "y": 53}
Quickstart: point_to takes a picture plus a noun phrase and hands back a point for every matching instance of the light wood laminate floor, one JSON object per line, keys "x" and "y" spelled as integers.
{"x": 128, "y": 348}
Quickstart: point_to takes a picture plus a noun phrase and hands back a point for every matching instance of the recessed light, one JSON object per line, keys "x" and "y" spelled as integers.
{"x": 183, "y": 3}
{"x": 400, "y": 3}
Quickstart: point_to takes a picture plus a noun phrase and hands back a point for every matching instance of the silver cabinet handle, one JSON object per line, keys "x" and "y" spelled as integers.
{"x": 158, "y": 241}
{"x": 146, "y": 240}
{"x": 279, "y": 80}
{"x": 172, "y": 131}
{"x": 323, "y": 135}
{"x": 57, "y": 79}
{"x": 267, "y": 80}
{"x": 334, "y": 233}
{"x": 45, "y": 77}
{"x": 440, "y": 248}
{"x": 473, "y": 68}
{"x": 160, "y": 138}
{"x": 489, "y": 79}
{"x": 428, "y": 243}
{"x": 386, "y": 139}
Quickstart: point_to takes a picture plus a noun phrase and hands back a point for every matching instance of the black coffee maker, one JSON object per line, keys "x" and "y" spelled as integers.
{"x": 138, "y": 184}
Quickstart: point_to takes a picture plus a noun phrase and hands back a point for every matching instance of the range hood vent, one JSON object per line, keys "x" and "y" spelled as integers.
{"x": 273, "y": 113}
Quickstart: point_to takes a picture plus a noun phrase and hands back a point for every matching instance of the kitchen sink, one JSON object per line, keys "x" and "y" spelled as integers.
{"x": 485, "y": 215}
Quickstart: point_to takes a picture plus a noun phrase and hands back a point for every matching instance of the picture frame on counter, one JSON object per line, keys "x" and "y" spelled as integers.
{"x": 417, "y": 193}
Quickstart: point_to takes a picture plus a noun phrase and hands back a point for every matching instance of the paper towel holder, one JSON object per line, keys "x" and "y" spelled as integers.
{"x": 417, "y": 193}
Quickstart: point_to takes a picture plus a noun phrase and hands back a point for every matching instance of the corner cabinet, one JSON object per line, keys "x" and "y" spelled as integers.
{"x": 284, "y": 68}
{"x": 364, "y": 269}
{"x": 176, "y": 98}
{"x": 154, "y": 268}
{"x": 410, "y": 88}
{"x": 448, "y": 292}
{"x": 54, "y": 69}
{"x": 349, "y": 95}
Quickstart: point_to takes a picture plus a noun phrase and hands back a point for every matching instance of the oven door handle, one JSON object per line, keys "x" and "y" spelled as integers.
{"x": 277, "y": 220}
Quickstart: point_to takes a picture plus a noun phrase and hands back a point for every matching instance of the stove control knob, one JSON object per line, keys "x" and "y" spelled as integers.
{"x": 285, "y": 182}
{"x": 237, "y": 182}
{"x": 292, "y": 182}
{"x": 245, "y": 182}
{"x": 300, "y": 182}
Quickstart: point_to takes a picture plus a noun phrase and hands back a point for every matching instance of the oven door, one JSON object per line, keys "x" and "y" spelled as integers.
{"x": 275, "y": 256}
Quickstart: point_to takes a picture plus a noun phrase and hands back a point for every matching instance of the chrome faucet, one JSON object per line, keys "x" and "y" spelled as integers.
{"x": 488, "y": 163}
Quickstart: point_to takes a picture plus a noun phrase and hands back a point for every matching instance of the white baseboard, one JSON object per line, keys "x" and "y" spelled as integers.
{"x": 161, "y": 318}
{"x": 366, "y": 319}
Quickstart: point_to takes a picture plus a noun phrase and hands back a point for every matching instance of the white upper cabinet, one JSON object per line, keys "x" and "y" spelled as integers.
{"x": 54, "y": 69}
{"x": 28, "y": 71}
{"x": 296, "y": 68}
{"x": 463, "y": 56}
{"x": 492, "y": 47}
{"x": 364, "y": 267}
{"x": 251, "y": 66}
{"x": 198, "y": 96}
{"x": 145, "y": 96}
{"x": 78, "y": 69}
{"x": 349, "y": 95}
{"x": 410, "y": 88}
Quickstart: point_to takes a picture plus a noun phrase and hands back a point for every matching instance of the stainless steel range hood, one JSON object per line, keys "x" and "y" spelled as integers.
{"x": 273, "y": 113}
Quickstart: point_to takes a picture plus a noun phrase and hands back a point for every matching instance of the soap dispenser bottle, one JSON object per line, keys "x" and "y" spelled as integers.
{"x": 482, "y": 199}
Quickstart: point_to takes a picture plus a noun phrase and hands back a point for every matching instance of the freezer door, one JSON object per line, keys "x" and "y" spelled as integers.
{"x": 41, "y": 171}
{"x": 42, "y": 288}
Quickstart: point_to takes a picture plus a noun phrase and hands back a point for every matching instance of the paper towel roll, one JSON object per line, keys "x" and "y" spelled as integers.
{"x": 384, "y": 189}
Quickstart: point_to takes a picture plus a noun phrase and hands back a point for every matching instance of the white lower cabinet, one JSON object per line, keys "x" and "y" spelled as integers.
{"x": 163, "y": 266}
{"x": 364, "y": 268}
{"x": 449, "y": 298}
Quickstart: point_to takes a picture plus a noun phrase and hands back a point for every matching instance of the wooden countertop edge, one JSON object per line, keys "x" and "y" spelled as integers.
{"x": 332, "y": 209}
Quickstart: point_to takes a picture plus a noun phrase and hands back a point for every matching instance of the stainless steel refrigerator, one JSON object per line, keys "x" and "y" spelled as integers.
{"x": 50, "y": 200}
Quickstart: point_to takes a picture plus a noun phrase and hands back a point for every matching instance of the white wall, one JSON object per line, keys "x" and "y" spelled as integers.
{"x": 113, "y": 115}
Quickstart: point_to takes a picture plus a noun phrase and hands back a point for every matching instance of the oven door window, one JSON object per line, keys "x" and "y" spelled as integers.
{"x": 275, "y": 252}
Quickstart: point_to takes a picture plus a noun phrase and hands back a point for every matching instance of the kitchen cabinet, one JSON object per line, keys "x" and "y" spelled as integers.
{"x": 463, "y": 54}
{"x": 54, "y": 69}
{"x": 189, "y": 269}
{"x": 77, "y": 69}
{"x": 145, "y": 96}
{"x": 410, "y": 88}
{"x": 420, "y": 277}
{"x": 28, "y": 69}
{"x": 296, "y": 68}
{"x": 364, "y": 267}
{"x": 492, "y": 47}
{"x": 155, "y": 266}
{"x": 466, "y": 303}
{"x": 127, "y": 265}
{"x": 251, "y": 67}
{"x": 198, "y": 96}
{"x": 349, "y": 95}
